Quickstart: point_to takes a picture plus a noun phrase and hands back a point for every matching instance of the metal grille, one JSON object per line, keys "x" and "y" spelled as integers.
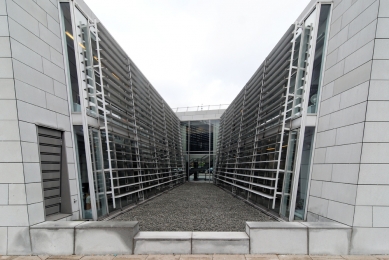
{"x": 50, "y": 148}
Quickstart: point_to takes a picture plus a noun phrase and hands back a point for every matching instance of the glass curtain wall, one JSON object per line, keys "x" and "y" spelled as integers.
{"x": 127, "y": 138}
{"x": 265, "y": 143}
{"x": 199, "y": 141}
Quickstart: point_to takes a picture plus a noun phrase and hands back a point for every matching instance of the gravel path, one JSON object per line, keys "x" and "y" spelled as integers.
{"x": 194, "y": 207}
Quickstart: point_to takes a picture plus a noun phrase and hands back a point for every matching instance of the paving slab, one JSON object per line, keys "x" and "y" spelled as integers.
{"x": 98, "y": 257}
{"x": 131, "y": 257}
{"x": 196, "y": 257}
{"x": 163, "y": 257}
{"x": 228, "y": 257}
{"x": 294, "y": 257}
{"x": 261, "y": 257}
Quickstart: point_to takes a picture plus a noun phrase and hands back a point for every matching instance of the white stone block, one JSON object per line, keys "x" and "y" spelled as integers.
{"x": 60, "y": 90}
{"x": 335, "y": 71}
{"x": 383, "y": 24}
{"x": 376, "y": 111}
{"x": 34, "y": 192}
{"x": 368, "y": 241}
{"x": 5, "y": 47}
{"x": 17, "y": 194}
{"x": 348, "y": 116}
{"x": 19, "y": 241}
{"x": 11, "y": 173}
{"x": 345, "y": 173}
{"x": 326, "y": 138}
{"x": 7, "y": 89}
{"x": 322, "y": 172}
{"x": 376, "y": 132}
{"x": 57, "y": 104}
{"x": 220, "y": 243}
{"x": 363, "y": 216}
{"x": 63, "y": 122}
{"x": 36, "y": 213}
{"x": 374, "y": 174}
{"x": 3, "y": 8}
{"x": 379, "y": 90}
{"x": 324, "y": 123}
{"x": 56, "y": 58}
{"x": 32, "y": 77}
{"x": 162, "y": 243}
{"x": 4, "y": 194}
{"x": 6, "y": 68}
{"x": 327, "y": 238}
{"x": 374, "y": 195}
{"x": 278, "y": 238}
{"x": 375, "y": 153}
{"x": 350, "y": 153}
{"x": 318, "y": 205}
{"x": 9, "y": 131}
{"x": 4, "y": 26}
{"x": 384, "y": 8}
{"x": 30, "y": 94}
{"x": 29, "y": 39}
{"x": 359, "y": 57}
{"x": 337, "y": 40}
{"x": 360, "y": 39}
{"x": 359, "y": 15}
{"x": 54, "y": 71}
{"x": 50, "y": 38}
{"x": 340, "y": 212}
{"x": 30, "y": 152}
{"x": 320, "y": 155}
{"x": 22, "y": 17}
{"x": 327, "y": 90}
{"x": 3, "y": 236}
{"x": 8, "y": 110}
{"x": 33, "y": 9}
{"x": 54, "y": 237}
{"x": 381, "y": 216}
{"x": 28, "y": 132}
{"x": 341, "y": 192}
{"x": 14, "y": 215}
{"x": 354, "y": 95}
{"x": 106, "y": 237}
{"x": 32, "y": 172}
{"x": 49, "y": 8}
{"x": 37, "y": 115}
{"x": 379, "y": 70}
{"x": 353, "y": 78}
{"x": 53, "y": 26}
{"x": 316, "y": 188}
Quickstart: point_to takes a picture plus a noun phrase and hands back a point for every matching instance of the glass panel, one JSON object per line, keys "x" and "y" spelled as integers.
{"x": 199, "y": 167}
{"x": 288, "y": 176}
{"x": 304, "y": 174}
{"x": 199, "y": 136}
{"x": 98, "y": 173}
{"x": 86, "y": 206}
{"x": 318, "y": 60}
{"x": 71, "y": 66}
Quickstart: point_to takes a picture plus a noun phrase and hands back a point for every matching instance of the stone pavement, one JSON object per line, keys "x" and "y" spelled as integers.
{"x": 198, "y": 257}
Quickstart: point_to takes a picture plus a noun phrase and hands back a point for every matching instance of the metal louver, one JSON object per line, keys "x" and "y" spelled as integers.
{"x": 50, "y": 148}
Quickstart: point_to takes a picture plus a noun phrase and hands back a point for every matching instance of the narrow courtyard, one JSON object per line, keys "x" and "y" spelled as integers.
{"x": 194, "y": 207}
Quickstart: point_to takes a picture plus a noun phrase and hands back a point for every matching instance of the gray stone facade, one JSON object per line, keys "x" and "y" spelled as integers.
{"x": 33, "y": 93}
{"x": 350, "y": 177}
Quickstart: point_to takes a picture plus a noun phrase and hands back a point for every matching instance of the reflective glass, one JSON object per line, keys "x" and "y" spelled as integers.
{"x": 318, "y": 60}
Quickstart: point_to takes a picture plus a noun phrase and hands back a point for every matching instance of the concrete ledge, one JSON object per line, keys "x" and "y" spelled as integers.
{"x": 366, "y": 241}
{"x": 220, "y": 243}
{"x": 105, "y": 237}
{"x": 327, "y": 238}
{"x": 53, "y": 237}
{"x": 277, "y": 238}
{"x": 162, "y": 243}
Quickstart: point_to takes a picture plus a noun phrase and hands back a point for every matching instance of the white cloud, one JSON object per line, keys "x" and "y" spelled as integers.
{"x": 197, "y": 51}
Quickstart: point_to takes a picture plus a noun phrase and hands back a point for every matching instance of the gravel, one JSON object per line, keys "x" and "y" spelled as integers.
{"x": 194, "y": 207}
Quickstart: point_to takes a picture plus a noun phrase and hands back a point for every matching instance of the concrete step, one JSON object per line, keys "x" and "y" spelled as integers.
{"x": 220, "y": 243}
{"x": 162, "y": 243}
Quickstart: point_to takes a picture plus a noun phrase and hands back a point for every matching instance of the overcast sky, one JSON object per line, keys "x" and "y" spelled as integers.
{"x": 197, "y": 52}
